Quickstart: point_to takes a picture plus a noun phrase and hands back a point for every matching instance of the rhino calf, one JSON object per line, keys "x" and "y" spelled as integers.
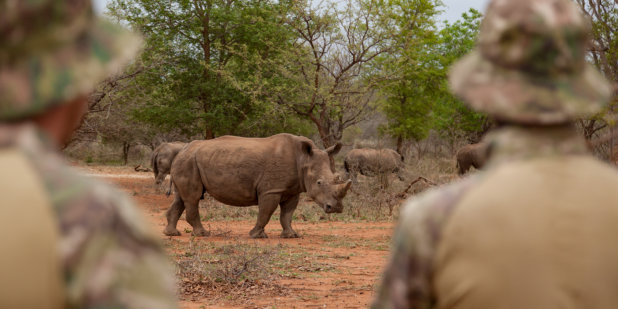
{"x": 374, "y": 162}
{"x": 471, "y": 155}
{"x": 267, "y": 172}
{"x": 162, "y": 158}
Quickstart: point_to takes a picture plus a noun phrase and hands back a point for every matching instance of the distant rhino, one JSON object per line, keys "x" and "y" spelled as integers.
{"x": 471, "y": 155}
{"x": 266, "y": 172}
{"x": 162, "y": 158}
{"x": 373, "y": 162}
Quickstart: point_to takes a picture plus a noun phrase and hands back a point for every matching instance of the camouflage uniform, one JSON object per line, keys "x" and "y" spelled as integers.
{"x": 529, "y": 72}
{"x": 52, "y": 52}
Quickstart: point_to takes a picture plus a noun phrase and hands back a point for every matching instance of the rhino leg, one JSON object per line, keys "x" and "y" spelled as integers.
{"x": 193, "y": 217}
{"x": 173, "y": 214}
{"x": 463, "y": 167}
{"x": 353, "y": 175}
{"x": 383, "y": 177}
{"x": 266, "y": 206}
{"x": 287, "y": 210}
{"x": 401, "y": 175}
{"x": 160, "y": 177}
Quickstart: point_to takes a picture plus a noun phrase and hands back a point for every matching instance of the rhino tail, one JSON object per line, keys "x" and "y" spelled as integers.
{"x": 169, "y": 189}
{"x": 460, "y": 170}
{"x": 153, "y": 162}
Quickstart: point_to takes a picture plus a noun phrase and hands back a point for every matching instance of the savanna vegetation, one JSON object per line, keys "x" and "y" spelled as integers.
{"x": 326, "y": 70}
{"x": 331, "y": 70}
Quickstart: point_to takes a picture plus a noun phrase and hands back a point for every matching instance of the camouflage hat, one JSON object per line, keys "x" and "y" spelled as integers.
{"x": 53, "y": 51}
{"x": 529, "y": 66}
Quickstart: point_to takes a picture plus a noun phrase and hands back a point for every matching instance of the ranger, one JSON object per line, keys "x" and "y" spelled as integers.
{"x": 537, "y": 227}
{"x": 67, "y": 241}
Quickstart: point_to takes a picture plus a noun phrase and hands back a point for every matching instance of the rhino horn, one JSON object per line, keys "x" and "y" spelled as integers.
{"x": 343, "y": 189}
{"x": 333, "y": 150}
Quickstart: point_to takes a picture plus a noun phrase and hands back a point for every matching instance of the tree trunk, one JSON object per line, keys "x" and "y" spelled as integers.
{"x": 125, "y": 152}
{"x": 400, "y": 146}
{"x": 209, "y": 134}
{"x": 205, "y": 95}
{"x": 327, "y": 139}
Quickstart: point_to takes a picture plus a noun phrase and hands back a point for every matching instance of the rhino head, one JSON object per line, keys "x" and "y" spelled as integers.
{"x": 320, "y": 183}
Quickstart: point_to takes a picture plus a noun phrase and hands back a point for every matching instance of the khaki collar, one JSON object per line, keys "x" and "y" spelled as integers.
{"x": 522, "y": 143}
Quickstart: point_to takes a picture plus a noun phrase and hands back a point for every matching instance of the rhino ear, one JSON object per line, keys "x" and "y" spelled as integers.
{"x": 333, "y": 150}
{"x": 307, "y": 148}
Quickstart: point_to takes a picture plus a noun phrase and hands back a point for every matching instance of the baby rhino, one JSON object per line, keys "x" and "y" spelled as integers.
{"x": 267, "y": 172}
{"x": 162, "y": 158}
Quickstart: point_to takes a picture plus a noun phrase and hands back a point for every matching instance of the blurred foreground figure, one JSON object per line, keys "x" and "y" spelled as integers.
{"x": 66, "y": 241}
{"x": 537, "y": 228}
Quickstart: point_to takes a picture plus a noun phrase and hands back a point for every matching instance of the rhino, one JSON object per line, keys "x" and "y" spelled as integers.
{"x": 242, "y": 172}
{"x": 162, "y": 158}
{"x": 372, "y": 162}
{"x": 471, "y": 155}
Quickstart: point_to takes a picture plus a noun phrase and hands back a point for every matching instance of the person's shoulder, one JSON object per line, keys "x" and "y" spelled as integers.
{"x": 82, "y": 201}
{"x": 103, "y": 202}
{"x": 434, "y": 205}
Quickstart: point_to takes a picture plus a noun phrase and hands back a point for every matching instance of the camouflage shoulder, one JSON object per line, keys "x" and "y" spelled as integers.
{"x": 110, "y": 255}
{"x": 78, "y": 197}
{"x": 113, "y": 256}
{"x": 407, "y": 280}
{"x": 428, "y": 211}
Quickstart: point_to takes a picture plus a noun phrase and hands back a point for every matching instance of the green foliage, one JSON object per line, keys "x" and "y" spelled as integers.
{"x": 451, "y": 115}
{"x": 414, "y": 77}
{"x": 207, "y": 65}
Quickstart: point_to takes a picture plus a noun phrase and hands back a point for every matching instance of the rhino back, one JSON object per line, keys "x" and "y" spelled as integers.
{"x": 236, "y": 170}
{"x": 374, "y": 160}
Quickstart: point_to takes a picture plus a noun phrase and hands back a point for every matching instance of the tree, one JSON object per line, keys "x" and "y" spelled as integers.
{"x": 328, "y": 65}
{"x": 109, "y": 118}
{"x": 410, "y": 72}
{"x": 604, "y": 55}
{"x": 453, "y": 118}
{"x": 207, "y": 63}
{"x": 413, "y": 78}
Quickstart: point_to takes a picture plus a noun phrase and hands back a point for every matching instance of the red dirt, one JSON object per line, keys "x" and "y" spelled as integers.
{"x": 353, "y": 270}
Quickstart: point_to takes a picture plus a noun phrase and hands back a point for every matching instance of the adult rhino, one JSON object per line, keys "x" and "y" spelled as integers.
{"x": 162, "y": 158}
{"x": 242, "y": 171}
{"x": 372, "y": 162}
{"x": 471, "y": 155}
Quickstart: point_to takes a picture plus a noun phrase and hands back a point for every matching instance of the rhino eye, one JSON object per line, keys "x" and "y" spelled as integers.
{"x": 320, "y": 182}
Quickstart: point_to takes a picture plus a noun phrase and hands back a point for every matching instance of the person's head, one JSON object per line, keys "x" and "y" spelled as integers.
{"x": 529, "y": 67}
{"x": 53, "y": 53}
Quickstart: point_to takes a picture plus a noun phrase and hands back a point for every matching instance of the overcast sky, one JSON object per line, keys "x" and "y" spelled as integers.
{"x": 454, "y": 8}
{"x": 452, "y": 11}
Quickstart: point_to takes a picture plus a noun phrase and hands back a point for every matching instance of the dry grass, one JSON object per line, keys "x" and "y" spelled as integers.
{"x": 366, "y": 201}
{"x": 235, "y": 271}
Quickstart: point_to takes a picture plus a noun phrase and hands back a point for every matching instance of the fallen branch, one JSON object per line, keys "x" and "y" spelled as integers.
{"x": 140, "y": 168}
{"x": 399, "y": 197}
{"x": 420, "y": 178}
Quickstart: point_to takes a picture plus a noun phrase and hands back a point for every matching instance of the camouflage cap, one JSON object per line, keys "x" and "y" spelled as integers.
{"x": 529, "y": 66}
{"x": 53, "y": 51}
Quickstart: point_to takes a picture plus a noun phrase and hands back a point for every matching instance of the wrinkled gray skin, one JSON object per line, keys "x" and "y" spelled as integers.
{"x": 267, "y": 172}
{"x": 471, "y": 155}
{"x": 373, "y": 162}
{"x": 162, "y": 158}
